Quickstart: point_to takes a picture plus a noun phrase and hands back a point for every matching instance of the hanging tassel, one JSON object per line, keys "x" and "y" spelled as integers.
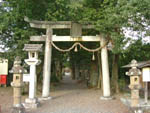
{"x": 93, "y": 57}
{"x": 76, "y": 49}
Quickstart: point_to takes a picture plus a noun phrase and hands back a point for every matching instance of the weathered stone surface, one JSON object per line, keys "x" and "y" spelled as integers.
{"x": 17, "y": 84}
{"x": 18, "y": 110}
{"x": 17, "y": 68}
{"x": 135, "y": 80}
{"x": 31, "y": 103}
{"x": 139, "y": 64}
{"x": 134, "y": 83}
{"x": 134, "y": 94}
{"x": 76, "y": 30}
{"x": 47, "y": 64}
{"x": 55, "y": 24}
{"x": 105, "y": 68}
{"x": 33, "y": 47}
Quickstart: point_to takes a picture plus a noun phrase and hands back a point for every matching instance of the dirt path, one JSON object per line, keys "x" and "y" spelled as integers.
{"x": 6, "y": 99}
{"x": 72, "y": 97}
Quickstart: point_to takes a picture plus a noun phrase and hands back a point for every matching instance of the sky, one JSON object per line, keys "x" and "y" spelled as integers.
{"x": 134, "y": 35}
{"x": 1, "y": 50}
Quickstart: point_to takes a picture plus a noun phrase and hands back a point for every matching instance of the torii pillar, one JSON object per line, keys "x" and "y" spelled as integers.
{"x": 47, "y": 64}
{"x": 105, "y": 70}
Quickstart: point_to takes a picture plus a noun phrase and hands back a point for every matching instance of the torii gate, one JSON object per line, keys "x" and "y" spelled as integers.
{"x": 76, "y": 35}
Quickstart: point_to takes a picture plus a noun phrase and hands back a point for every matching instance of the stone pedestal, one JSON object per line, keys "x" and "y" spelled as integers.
{"x": 134, "y": 98}
{"x": 45, "y": 98}
{"x": 18, "y": 110}
{"x": 31, "y": 103}
{"x": 106, "y": 98}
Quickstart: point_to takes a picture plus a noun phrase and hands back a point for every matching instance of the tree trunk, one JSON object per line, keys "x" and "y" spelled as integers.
{"x": 114, "y": 81}
{"x": 77, "y": 72}
{"x": 39, "y": 77}
{"x": 61, "y": 68}
{"x": 73, "y": 71}
{"x": 94, "y": 74}
{"x": 100, "y": 83}
{"x": 58, "y": 69}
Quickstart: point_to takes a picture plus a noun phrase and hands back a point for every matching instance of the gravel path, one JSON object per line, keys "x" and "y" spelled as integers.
{"x": 72, "y": 97}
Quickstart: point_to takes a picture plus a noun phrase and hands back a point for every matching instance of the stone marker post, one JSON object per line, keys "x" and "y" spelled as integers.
{"x": 134, "y": 74}
{"x": 17, "y": 84}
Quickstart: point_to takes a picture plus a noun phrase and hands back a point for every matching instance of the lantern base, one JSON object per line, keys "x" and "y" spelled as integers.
{"x": 45, "y": 98}
{"x": 18, "y": 110}
{"x": 31, "y": 103}
{"x": 106, "y": 98}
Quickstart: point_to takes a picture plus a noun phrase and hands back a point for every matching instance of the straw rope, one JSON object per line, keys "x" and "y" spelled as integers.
{"x": 76, "y": 44}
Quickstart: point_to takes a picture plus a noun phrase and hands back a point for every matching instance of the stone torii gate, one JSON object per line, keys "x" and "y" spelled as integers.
{"x": 76, "y": 35}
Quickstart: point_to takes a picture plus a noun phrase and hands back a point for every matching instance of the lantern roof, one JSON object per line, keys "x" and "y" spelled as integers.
{"x": 33, "y": 47}
{"x": 146, "y": 64}
{"x": 141, "y": 64}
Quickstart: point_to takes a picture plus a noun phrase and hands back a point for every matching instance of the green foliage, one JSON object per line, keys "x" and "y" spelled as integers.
{"x": 66, "y": 60}
{"x": 122, "y": 84}
{"x": 57, "y": 10}
{"x": 138, "y": 50}
{"x": 14, "y": 32}
{"x": 54, "y": 79}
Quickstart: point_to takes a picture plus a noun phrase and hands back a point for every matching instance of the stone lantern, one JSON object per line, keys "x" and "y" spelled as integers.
{"x": 32, "y": 61}
{"x": 135, "y": 86}
{"x": 17, "y": 84}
